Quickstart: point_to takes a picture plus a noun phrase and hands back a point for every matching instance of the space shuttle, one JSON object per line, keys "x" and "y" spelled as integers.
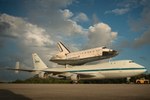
{"x": 65, "y": 57}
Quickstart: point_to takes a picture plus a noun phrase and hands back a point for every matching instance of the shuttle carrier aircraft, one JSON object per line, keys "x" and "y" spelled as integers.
{"x": 65, "y": 57}
{"x": 108, "y": 70}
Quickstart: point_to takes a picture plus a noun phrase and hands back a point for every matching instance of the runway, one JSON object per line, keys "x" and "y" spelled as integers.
{"x": 74, "y": 92}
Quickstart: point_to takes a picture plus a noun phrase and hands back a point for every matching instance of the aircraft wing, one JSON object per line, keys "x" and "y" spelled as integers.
{"x": 54, "y": 72}
{"x": 32, "y": 70}
{"x": 27, "y": 70}
{"x": 17, "y": 68}
{"x": 83, "y": 75}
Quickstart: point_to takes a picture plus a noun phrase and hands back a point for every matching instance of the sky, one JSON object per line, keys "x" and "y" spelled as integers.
{"x": 28, "y": 26}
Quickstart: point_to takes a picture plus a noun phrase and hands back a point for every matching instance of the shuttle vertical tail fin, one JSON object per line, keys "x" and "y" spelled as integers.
{"x": 37, "y": 62}
{"x": 62, "y": 48}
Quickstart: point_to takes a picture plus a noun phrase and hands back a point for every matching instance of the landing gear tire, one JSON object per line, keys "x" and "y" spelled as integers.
{"x": 138, "y": 82}
{"x": 128, "y": 80}
{"x": 74, "y": 82}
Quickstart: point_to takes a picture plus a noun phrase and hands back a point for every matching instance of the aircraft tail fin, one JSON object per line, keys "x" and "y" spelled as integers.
{"x": 37, "y": 62}
{"x": 17, "y": 66}
{"x": 62, "y": 48}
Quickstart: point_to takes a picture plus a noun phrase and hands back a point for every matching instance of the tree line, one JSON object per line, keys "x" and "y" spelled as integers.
{"x": 38, "y": 80}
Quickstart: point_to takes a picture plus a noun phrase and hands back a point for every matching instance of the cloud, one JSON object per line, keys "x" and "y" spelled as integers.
{"x": 139, "y": 24}
{"x": 100, "y": 34}
{"x": 69, "y": 26}
{"x": 81, "y": 17}
{"x": 143, "y": 22}
{"x": 118, "y": 11}
{"x": 23, "y": 38}
{"x": 29, "y": 34}
{"x": 19, "y": 37}
{"x": 124, "y": 6}
{"x": 95, "y": 19}
{"x": 142, "y": 25}
{"x": 54, "y": 17}
{"x": 144, "y": 39}
{"x": 66, "y": 13}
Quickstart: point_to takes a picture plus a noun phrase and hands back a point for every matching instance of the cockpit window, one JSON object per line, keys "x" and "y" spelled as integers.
{"x": 131, "y": 61}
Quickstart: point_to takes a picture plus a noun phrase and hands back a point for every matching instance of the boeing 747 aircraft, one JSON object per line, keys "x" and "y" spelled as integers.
{"x": 108, "y": 70}
{"x": 65, "y": 57}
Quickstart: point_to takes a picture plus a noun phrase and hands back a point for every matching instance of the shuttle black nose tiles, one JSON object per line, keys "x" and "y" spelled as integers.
{"x": 115, "y": 52}
{"x": 110, "y": 53}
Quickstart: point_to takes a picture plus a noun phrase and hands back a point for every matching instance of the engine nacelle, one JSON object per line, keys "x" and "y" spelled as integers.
{"x": 43, "y": 75}
{"x": 56, "y": 77}
{"x": 75, "y": 77}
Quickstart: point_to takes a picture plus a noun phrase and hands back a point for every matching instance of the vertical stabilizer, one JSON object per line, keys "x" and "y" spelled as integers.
{"x": 62, "y": 48}
{"x": 17, "y": 67}
{"x": 37, "y": 62}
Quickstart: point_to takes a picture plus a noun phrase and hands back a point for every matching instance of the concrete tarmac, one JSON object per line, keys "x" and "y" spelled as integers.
{"x": 74, "y": 92}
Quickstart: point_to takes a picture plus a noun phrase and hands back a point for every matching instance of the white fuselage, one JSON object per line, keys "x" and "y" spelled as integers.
{"x": 114, "y": 69}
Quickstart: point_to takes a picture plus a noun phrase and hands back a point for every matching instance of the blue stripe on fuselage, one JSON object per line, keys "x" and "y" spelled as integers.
{"x": 112, "y": 69}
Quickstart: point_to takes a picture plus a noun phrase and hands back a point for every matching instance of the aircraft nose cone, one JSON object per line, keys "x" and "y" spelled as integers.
{"x": 145, "y": 71}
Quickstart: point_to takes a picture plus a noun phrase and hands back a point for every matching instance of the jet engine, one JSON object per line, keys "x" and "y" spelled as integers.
{"x": 75, "y": 78}
{"x": 43, "y": 75}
